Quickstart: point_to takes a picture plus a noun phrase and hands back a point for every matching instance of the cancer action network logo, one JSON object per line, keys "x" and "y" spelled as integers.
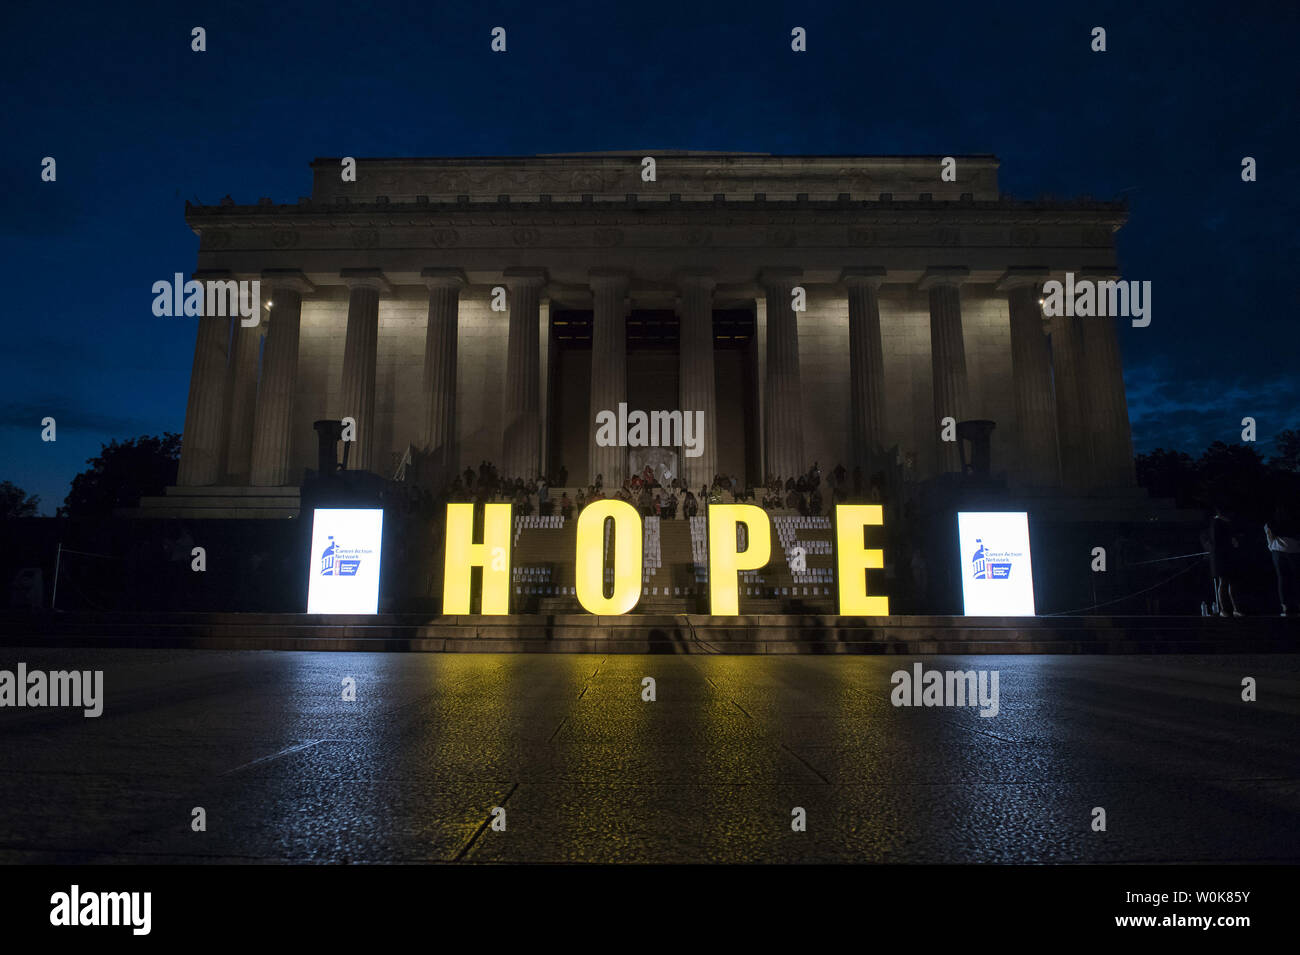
{"x": 992, "y": 564}
{"x": 336, "y": 561}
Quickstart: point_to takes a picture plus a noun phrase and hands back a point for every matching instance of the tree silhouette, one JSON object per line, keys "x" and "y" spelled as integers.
{"x": 1288, "y": 451}
{"x": 15, "y": 502}
{"x": 1170, "y": 474}
{"x": 1235, "y": 476}
{"x": 122, "y": 474}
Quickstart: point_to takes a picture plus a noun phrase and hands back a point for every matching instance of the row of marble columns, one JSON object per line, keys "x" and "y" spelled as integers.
{"x": 1069, "y": 399}
{"x": 1072, "y": 426}
{"x": 1071, "y": 409}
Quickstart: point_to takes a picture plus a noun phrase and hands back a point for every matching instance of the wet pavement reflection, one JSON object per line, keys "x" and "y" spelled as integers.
{"x": 710, "y": 771}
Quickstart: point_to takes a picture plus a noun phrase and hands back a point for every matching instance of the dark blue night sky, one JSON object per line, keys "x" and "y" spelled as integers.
{"x": 138, "y": 123}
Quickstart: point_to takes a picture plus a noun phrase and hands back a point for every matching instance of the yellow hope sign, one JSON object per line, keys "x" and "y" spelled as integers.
{"x": 589, "y": 579}
{"x": 727, "y": 558}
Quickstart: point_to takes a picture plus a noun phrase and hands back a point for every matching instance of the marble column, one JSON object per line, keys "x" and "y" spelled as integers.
{"x": 1031, "y": 380}
{"x": 608, "y": 370}
{"x": 696, "y": 374}
{"x": 947, "y": 358}
{"x": 1073, "y": 435}
{"x": 360, "y": 356}
{"x": 544, "y": 384}
{"x": 246, "y": 344}
{"x": 272, "y": 421}
{"x": 783, "y": 396}
{"x": 522, "y": 428}
{"x": 866, "y": 366}
{"x": 438, "y": 385}
{"x": 201, "y": 443}
{"x": 1109, "y": 431}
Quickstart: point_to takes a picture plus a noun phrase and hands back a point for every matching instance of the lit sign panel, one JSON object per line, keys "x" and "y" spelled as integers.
{"x": 343, "y": 566}
{"x": 997, "y": 578}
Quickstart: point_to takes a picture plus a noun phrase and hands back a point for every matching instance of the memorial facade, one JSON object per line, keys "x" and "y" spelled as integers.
{"x": 829, "y": 309}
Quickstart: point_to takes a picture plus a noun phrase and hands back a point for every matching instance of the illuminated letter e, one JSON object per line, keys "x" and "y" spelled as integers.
{"x": 853, "y": 559}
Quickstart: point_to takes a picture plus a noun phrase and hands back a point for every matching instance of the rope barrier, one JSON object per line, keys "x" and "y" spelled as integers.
{"x": 1160, "y": 560}
{"x": 86, "y": 553}
{"x": 1107, "y": 603}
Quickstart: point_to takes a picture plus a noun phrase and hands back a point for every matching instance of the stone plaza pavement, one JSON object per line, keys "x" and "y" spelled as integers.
{"x": 287, "y": 771}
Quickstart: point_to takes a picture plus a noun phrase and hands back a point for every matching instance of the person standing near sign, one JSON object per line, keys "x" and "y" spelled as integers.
{"x": 1283, "y": 536}
{"x": 1223, "y": 562}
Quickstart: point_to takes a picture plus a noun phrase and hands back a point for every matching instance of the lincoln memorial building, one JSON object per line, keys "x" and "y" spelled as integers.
{"x": 834, "y": 309}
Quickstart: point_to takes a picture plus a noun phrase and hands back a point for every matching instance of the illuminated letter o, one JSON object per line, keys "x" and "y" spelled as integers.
{"x": 590, "y": 563}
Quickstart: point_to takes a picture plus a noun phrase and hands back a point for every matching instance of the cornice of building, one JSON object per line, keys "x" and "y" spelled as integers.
{"x": 651, "y": 212}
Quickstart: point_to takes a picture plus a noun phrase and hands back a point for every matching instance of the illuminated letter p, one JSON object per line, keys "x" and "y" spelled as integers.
{"x": 725, "y": 561}
{"x": 493, "y": 555}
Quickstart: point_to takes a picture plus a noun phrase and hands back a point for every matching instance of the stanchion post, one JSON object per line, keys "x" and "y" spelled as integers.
{"x": 54, "y": 597}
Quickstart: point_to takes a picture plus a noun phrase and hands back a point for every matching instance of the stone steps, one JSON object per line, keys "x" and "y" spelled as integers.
{"x": 219, "y": 503}
{"x": 652, "y": 633}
